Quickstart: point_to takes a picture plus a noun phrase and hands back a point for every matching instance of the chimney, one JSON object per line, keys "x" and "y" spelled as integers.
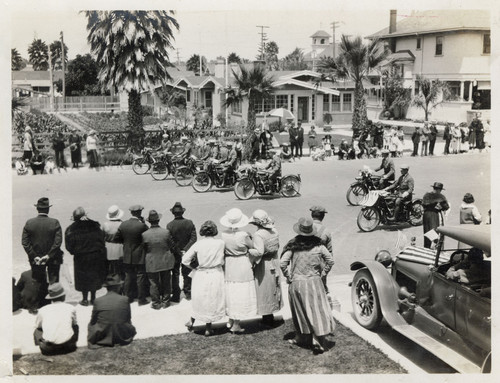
{"x": 220, "y": 68}
{"x": 392, "y": 21}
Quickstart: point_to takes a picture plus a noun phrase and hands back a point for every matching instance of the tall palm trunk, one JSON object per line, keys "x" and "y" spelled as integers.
{"x": 359, "y": 116}
{"x": 251, "y": 125}
{"x": 135, "y": 120}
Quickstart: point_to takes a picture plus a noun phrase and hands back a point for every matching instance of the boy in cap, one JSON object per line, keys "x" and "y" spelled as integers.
{"x": 56, "y": 329}
{"x": 184, "y": 235}
{"x": 130, "y": 234}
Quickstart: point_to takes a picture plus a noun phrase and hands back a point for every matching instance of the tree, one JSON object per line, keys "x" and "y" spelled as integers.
{"x": 253, "y": 85}
{"x": 193, "y": 64}
{"x": 130, "y": 48}
{"x": 294, "y": 60}
{"x": 18, "y": 103}
{"x": 56, "y": 53}
{"x": 397, "y": 97}
{"x": 430, "y": 94}
{"x": 271, "y": 51}
{"x": 233, "y": 58}
{"x": 39, "y": 55}
{"x": 81, "y": 77}
{"x": 16, "y": 60}
{"x": 354, "y": 62}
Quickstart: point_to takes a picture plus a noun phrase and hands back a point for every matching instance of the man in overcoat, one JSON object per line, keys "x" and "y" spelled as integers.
{"x": 130, "y": 234}
{"x": 415, "y": 138}
{"x": 432, "y": 137}
{"x": 434, "y": 204}
{"x": 42, "y": 239}
{"x": 111, "y": 320}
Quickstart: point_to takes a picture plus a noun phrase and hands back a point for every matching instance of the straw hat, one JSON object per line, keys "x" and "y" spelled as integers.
{"x": 55, "y": 290}
{"x": 114, "y": 213}
{"x": 305, "y": 227}
{"x": 234, "y": 219}
{"x": 261, "y": 218}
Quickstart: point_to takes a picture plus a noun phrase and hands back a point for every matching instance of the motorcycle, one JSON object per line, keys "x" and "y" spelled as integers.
{"x": 365, "y": 182}
{"x": 212, "y": 173}
{"x": 252, "y": 179}
{"x": 143, "y": 164}
{"x": 379, "y": 205}
{"x": 185, "y": 173}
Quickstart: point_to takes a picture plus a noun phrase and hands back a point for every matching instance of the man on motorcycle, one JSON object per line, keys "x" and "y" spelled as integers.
{"x": 230, "y": 162}
{"x": 187, "y": 151}
{"x": 273, "y": 168}
{"x": 404, "y": 188}
{"x": 389, "y": 170}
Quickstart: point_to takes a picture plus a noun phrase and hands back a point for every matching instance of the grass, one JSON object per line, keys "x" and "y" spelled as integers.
{"x": 259, "y": 351}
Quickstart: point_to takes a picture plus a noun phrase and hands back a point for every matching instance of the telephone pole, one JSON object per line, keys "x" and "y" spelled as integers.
{"x": 263, "y": 38}
{"x": 63, "y": 67}
{"x": 178, "y": 57}
{"x": 334, "y": 25}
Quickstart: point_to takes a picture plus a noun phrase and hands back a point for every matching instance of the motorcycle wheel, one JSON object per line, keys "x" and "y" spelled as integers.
{"x": 416, "y": 213}
{"x": 368, "y": 219}
{"x": 184, "y": 176}
{"x": 140, "y": 166}
{"x": 365, "y": 301}
{"x": 244, "y": 189}
{"x": 290, "y": 186}
{"x": 159, "y": 171}
{"x": 355, "y": 194}
{"x": 201, "y": 182}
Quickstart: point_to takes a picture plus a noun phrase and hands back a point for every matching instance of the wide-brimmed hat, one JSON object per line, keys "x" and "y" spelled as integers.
{"x": 153, "y": 216}
{"x": 177, "y": 208}
{"x": 305, "y": 227}
{"x": 318, "y": 208}
{"x": 136, "y": 207}
{"x": 234, "y": 218}
{"x": 78, "y": 213}
{"x": 114, "y": 213}
{"x": 112, "y": 280}
{"x": 43, "y": 203}
{"x": 55, "y": 290}
{"x": 261, "y": 218}
{"x": 438, "y": 185}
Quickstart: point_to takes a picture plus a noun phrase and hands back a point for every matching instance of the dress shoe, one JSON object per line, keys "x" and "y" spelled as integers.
{"x": 165, "y": 304}
{"x": 143, "y": 302}
{"x": 84, "y": 302}
{"x": 187, "y": 296}
{"x": 33, "y": 311}
{"x": 156, "y": 305}
{"x": 175, "y": 299}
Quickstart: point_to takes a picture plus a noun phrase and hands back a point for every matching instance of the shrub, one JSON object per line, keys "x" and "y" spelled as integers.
{"x": 327, "y": 118}
{"x": 115, "y": 157}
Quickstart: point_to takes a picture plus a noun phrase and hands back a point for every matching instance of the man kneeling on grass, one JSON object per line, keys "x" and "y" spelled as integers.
{"x": 56, "y": 329}
{"x": 110, "y": 323}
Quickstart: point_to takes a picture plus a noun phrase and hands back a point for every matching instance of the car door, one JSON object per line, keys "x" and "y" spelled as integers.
{"x": 443, "y": 296}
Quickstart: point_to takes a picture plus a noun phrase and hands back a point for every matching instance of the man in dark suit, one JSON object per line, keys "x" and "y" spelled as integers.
{"x": 130, "y": 234}
{"x": 111, "y": 320}
{"x": 29, "y": 291}
{"x": 184, "y": 236}
{"x": 42, "y": 239}
{"x": 292, "y": 136}
{"x": 300, "y": 139}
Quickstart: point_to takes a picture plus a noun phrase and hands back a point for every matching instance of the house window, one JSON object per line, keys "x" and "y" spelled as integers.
{"x": 439, "y": 45}
{"x": 326, "y": 103}
{"x": 313, "y": 107}
{"x": 208, "y": 99}
{"x": 347, "y": 102}
{"x": 419, "y": 43}
{"x": 282, "y": 101}
{"x": 291, "y": 103}
{"x": 454, "y": 94}
{"x": 188, "y": 96}
{"x": 322, "y": 41}
{"x": 268, "y": 104}
{"x": 236, "y": 107}
{"x": 335, "y": 103}
{"x": 486, "y": 44}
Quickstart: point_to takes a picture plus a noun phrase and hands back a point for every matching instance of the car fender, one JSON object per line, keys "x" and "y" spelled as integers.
{"x": 387, "y": 290}
{"x": 296, "y": 176}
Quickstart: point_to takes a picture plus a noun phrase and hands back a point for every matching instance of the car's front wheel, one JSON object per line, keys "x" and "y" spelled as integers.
{"x": 365, "y": 302}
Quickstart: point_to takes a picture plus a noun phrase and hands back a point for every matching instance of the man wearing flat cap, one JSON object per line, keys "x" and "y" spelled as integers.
{"x": 389, "y": 169}
{"x": 404, "y": 187}
{"x": 184, "y": 234}
{"x": 42, "y": 239}
{"x": 130, "y": 234}
{"x": 434, "y": 203}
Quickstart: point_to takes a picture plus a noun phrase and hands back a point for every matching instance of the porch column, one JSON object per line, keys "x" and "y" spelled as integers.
{"x": 470, "y": 90}
{"x": 461, "y": 90}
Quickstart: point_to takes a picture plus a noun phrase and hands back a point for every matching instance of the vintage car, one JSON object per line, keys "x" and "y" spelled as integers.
{"x": 414, "y": 295}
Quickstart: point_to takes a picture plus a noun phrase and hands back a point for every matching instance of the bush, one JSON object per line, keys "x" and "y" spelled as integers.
{"x": 327, "y": 118}
{"x": 115, "y": 157}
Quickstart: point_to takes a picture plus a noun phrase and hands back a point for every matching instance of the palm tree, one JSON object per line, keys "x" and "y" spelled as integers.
{"x": 130, "y": 48}
{"x": 253, "y": 85}
{"x": 16, "y": 60}
{"x": 39, "y": 55}
{"x": 294, "y": 60}
{"x": 431, "y": 94}
{"x": 56, "y": 53}
{"x": 354, "y": 62}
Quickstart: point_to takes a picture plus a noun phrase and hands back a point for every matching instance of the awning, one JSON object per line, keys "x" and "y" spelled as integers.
{"x": 484, "y": 85}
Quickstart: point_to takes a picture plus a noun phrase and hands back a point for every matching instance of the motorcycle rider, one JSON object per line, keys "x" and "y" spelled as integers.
{"x": 389, "y": 169}
{"x": 404, "y": 188}
{"x": 188, "y": 148}
{"x": 273, "y": 168}
{"x": 230, "y": 162}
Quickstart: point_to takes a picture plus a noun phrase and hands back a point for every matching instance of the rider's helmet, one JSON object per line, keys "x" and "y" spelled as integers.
{"x": 384, "y": 257}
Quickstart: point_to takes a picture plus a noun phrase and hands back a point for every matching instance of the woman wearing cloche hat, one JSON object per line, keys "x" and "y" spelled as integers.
{"x": 241, "y": 300}
{"x": 434, "y": 203}
{"x": 114, "y": 251}
{"x": 304, "y": 261}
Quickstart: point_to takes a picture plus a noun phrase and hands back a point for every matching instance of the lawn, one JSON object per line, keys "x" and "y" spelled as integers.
{"x": 259, "y": 351}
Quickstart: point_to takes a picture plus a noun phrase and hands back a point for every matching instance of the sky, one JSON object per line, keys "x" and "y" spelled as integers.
{"x": 218, "y": 29}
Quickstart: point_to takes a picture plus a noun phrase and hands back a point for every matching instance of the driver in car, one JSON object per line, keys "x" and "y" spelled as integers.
{"x": 389, "y": 169}
{"x": 404, "y": 189}
{"x": 273, "y": 168}
{"x": 471, "y": 270}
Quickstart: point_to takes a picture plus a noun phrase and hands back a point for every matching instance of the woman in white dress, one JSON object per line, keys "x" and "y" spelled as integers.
{"x": 114, "y": 250}
{"x": 241, "y": 299}
{"x": 207, "y": 289}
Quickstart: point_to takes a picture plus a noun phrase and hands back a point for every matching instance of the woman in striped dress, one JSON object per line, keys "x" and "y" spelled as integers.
{"x": 303, "y": 263}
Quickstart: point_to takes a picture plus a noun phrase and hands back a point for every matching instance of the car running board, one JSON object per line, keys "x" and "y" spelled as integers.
{"x": 454, "y": 359}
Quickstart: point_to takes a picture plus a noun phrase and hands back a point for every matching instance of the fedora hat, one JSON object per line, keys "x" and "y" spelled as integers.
{"x": 136, "y": 208}
{"x": 438, "y": 185}
{"x": 55, "y": 290}
{"x": 261, "y": 218}
{"x": 114, "y": 213}
{"x": 318, "y": 208}
{"x": 177, "y": 208}
{"x": 43, "y": 203}
{"x": 112, "y": 280}
{"x": 305, "y": 227}
{"x": 154, "y": 216}
{"x": 234, "y": 218}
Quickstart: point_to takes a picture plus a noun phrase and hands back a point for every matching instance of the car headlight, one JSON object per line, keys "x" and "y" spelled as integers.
{"x": 384, "y": 257}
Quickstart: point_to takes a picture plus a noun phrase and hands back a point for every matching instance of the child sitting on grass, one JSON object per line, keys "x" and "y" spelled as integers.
{"x": 21, "y": 167}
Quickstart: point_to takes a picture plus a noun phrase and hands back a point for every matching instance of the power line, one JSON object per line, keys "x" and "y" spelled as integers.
{"x": 263, "y": 38}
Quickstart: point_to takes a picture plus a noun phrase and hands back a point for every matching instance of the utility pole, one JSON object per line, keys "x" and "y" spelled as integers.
{"x": 178, "y": 58}
{"x": 63, "y": 67}
{"x": 263, "y": 38}
{"x": 51, "y": 82}
{"x": 334, "y": 25}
